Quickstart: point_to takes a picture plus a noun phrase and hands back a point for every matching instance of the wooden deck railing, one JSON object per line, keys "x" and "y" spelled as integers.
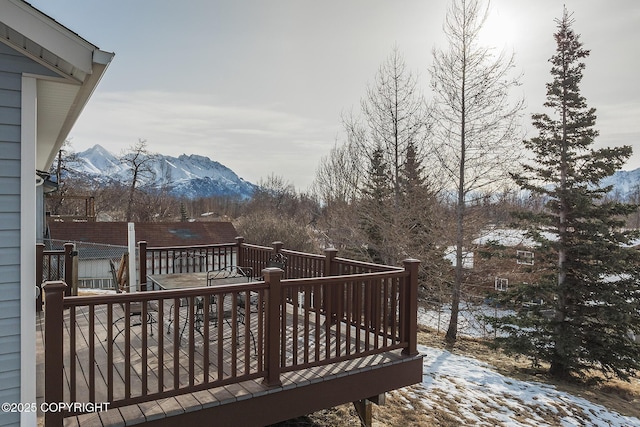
{"x": 51, "y": 266}
{"x": 184, "y": 259}
{"x": 199, "y": 338}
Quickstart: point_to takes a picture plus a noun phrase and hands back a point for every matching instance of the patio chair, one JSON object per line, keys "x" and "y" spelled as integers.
{"x": 242, "y": 274}
{"x": 189, "y": 262}
{"x": 234, "y": 272}
{"x": 135, "y": 308}
{"x": 278, "y": 260}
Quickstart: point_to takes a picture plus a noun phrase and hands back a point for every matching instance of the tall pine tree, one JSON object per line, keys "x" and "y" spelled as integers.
{"x": 591, "y": 294}
{"x": 375, "y": 213}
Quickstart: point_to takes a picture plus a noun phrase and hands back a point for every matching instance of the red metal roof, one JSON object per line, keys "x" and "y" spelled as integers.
{"x": 155, "y": 234}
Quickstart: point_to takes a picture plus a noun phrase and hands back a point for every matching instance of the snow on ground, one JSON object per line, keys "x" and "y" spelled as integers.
{"x": 472, "y": 393}
{"x": 470, "y": 319}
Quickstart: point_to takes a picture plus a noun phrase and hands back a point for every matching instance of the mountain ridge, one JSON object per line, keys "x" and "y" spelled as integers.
{"x": 194, "y": 176}
{"x": 188, "y": 175}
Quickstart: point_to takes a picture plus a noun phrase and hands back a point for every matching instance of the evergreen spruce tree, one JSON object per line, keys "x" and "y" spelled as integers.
{"x": 590, "y": 284}
{"x": 376, "y": 203}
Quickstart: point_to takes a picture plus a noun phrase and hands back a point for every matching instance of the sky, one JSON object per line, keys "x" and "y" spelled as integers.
{"x": 261, "y": 86}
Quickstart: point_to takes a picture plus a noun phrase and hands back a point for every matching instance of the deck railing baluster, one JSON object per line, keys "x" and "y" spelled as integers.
{"x": 176, "y": 343}
{"x": 92, "y": 353}
{"x": 307, "y": 312}
{"x": 234, "y": 334}
{"x": 109, "y": 366}
{"x": 294, "y": 317}
{"x": 144, "y": 355}
{"x": 127, "y": 350}
{"x": 72, "y": 354}
{"x": 192, "y": 345}
{"x": 160, "y": 348}
{"x": 206, "y": 342}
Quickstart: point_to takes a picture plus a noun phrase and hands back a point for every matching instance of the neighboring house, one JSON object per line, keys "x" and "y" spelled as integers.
{"x": 503, "y": 257}
{"x": 47, "y": 74}
{"x": 100, "y": 245}
{"x": 154, "y": 233}
{"x": 496, "y": 260}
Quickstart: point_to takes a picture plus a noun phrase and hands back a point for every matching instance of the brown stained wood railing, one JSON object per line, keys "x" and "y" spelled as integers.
{"x": 253, "y": 256}
{"x": 53, "y": 265}
{"x": 112, "y": 356}
{"x": 301, "y": 265}
{"x": 200, "y": 338}
{"x": 362, "y": 316}
{"x": 185, "y": 259}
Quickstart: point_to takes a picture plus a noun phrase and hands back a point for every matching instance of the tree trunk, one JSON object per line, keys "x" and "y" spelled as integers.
{"x": 452, "y": 331}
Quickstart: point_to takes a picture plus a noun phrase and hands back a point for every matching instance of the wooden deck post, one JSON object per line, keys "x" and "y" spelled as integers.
{"x": 39, "y": 268}
{"x": 240, "y": 252}
{"x": 272, "y": 276}
{"x": 330, "y": 294}
{"x": 330, "y": 267}
{"x": 410, "y": 317}
{"x": 365, "y": 413}
{"x": 142, "y": 253}
{"x": 68, "y": 269}
{"x": 53, "y": 350}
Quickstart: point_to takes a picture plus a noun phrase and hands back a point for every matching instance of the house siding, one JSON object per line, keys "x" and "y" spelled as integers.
{"x": 12, "y": 65}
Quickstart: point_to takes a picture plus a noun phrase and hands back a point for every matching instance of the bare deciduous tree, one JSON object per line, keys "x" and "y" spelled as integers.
{"x": 394, "y": 118}
{"x": 277, "y": 213}
{"x": 139, "y": 161}
{"x": 476, "y": 123}
{"x": 338, "y": 175}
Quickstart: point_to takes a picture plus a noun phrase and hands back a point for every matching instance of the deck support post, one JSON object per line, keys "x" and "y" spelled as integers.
{"x": 142, "y": 253}
{"x": 410, "y": 317}
{"x": 53, "y": 353}
{"x": 363, "y": 408}
{"x": 272, "y": 276}
{"x": 39, "y": 273}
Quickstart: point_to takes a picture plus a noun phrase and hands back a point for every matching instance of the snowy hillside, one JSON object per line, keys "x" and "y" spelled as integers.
{"x": 191, "y": 176}
{"x": 469, "y": 392}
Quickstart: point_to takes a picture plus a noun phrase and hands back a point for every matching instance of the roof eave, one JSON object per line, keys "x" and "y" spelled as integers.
{"x": 84, "y": 92}
{"x": 79, "y": 63}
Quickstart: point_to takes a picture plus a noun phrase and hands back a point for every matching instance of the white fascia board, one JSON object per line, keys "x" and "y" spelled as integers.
{"x": 49, "y": 34}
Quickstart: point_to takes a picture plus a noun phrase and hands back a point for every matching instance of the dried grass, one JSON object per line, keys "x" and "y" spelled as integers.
{"x": 401, "y": 409}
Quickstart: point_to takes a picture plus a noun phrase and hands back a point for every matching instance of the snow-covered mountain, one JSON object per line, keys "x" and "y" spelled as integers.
{"x": 190, "y": 176}
{"x": 624, "y": 183}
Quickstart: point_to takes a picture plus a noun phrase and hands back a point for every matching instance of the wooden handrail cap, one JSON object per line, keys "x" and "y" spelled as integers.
{"x": 54, "y": 285}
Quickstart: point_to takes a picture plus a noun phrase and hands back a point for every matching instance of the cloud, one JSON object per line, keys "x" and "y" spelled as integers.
{"x": 254, "y": 141}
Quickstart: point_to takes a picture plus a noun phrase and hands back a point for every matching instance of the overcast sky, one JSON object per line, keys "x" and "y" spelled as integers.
{"x": 260, "y": 86}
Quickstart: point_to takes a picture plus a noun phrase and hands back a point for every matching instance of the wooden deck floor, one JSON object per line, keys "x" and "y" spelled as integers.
{"x": 242, "y": 359}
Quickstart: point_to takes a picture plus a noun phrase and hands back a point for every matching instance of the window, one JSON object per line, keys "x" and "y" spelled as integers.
{"x": 501, "y": 284}
{"x": 524, "y": 257}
